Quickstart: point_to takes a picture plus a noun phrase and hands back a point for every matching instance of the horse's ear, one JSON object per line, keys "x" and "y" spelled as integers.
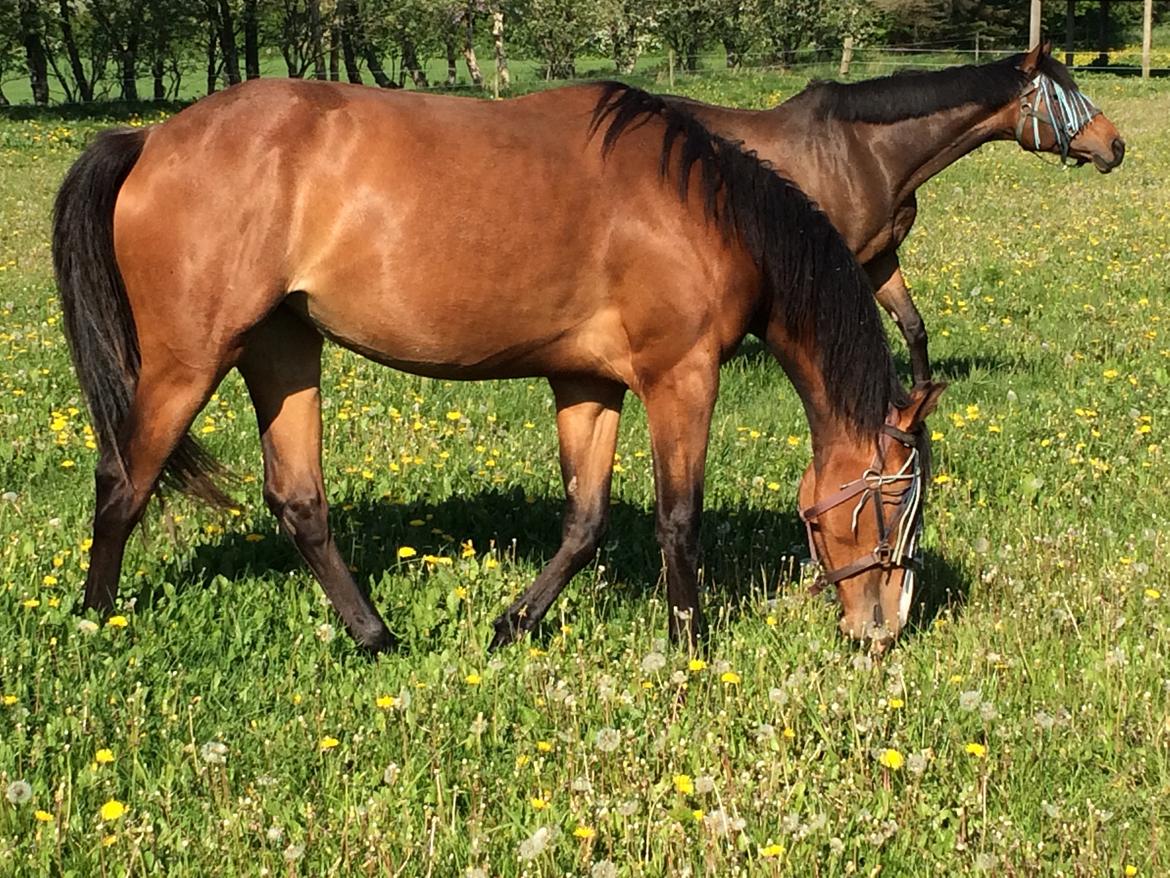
{"x": 1045, "y": 48}
{"x": 1031, "y": 62}
{"x": 923, "y": 400}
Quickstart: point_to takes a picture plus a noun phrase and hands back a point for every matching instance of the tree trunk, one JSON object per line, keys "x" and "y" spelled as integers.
{"x": 316, "y": 38}
{"x": 352, "y": 72}
{"x": 34, "y": 49}
{"x": 129, "y": 69}
{"x": 411, "y": 65}
{"x": 469, "y": 48}
{"x": 334, "y": 53}
{"x": 251, "y": 40}
{"x": 375, "y": 65}
{"x": 227, "y": 42}
{"x": 84, "y": 86}
{"x": 212, "y": 69}
{"x": 501, "y": 56}
{"x": 452, "y": 70}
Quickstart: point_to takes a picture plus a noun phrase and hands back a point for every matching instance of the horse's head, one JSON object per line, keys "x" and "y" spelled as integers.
{"x": 863, "y": 509}
{"x": 1055, "y": 116}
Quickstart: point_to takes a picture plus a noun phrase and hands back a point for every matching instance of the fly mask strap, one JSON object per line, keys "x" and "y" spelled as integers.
{"x": 1066, "y": 111}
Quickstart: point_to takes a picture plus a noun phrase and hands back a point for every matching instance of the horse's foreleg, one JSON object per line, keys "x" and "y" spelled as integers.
{"x": 282, "y": 367}
{"x": 894, "y": 296}
{"x": 167, "y": 397}
{"x": 678, "y": 408}
{"x": 587, "y": 423}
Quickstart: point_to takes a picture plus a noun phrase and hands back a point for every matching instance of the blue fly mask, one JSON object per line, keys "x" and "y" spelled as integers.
{"x": 1066, "y": 111}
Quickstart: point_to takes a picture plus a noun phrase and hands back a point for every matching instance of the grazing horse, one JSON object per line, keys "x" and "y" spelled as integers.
{"x": 860, "y": 151}
{"x": 638, "y": 258}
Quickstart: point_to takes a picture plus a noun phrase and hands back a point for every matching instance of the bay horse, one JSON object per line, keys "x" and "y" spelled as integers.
{"x": 861, "y": 150}
{"x": 252, "y": 225}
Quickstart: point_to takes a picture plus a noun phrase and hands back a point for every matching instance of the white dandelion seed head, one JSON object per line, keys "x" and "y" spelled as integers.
{"x": 704, "y": 784}
{"x": 274, "y": 834}
{"x": 533, "y": 846}
{"x": 87, "y": 627}
{"x": 603, "y": 869}
{"x": 608, "y": 740}
{"x": 653, "y": 662}
{"x": 214, "y": 752}
{"x": 18, "y": 792}
{"x": 293, "y": 852}
{"x": 325, "y": 632}
{"x": 582, "y": 785}
{"x": 970, "y": 700}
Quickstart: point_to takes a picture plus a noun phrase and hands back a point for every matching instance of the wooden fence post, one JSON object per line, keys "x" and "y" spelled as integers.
{"x": 1147, "y": 36}
{"x": 846, "y": 57}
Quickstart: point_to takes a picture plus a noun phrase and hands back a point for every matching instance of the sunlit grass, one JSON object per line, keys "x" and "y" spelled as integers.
{"x": 221, "y": 723}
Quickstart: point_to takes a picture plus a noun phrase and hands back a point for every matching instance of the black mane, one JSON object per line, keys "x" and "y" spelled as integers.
{"x": 914, "y": 93}
{"x": 812, "y": 278}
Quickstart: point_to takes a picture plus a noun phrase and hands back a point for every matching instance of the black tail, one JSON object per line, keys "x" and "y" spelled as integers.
{"x": 99, "y": 325}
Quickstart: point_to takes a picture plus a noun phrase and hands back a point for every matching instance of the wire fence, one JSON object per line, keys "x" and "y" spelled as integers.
{"x": 526, "y": 74}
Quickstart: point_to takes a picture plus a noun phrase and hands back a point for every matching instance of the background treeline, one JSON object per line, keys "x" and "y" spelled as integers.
{"x": 84, "y": 50}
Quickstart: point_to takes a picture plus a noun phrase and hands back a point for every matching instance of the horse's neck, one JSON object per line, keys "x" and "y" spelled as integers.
{"x": 914, "y": 150}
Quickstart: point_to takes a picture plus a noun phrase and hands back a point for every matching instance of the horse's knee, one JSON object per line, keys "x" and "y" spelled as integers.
{"x": 303, "y": 514}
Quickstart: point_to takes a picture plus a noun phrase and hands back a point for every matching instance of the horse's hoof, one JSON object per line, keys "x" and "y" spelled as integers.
{"x": 376, "y": 640}
{"x": 506, "y": 632}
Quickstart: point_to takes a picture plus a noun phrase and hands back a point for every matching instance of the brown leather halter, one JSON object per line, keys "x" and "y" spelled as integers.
{"x": 904, "y": 527}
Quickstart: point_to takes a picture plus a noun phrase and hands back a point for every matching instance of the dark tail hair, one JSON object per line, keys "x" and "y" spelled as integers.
{"x": 815, "y": 283}
{"x": 99, "y": 325}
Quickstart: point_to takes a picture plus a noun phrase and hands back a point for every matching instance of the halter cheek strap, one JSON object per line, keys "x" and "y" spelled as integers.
{"x": 896, "y": 541}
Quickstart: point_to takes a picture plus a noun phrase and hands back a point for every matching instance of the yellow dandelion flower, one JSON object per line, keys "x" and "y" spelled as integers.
{"x": 537, "y": 803}
{"x": 896, "y": 703}
{"x": 772, "y": 850}
{"x": 684, "y": 784}
{"x": 385, "y": 702}
{"x": 473, "y": 679}
{"x": 117, "y": 622}
{"x": 941, "y": 479}
{"x": 697, "y": 815}
{"x": 31, "y": 604}
{"x": 454, "y": 415}
{"x": 584, "y": 832}
{"x": 789, "y": 733}
{"x": 696, "y": 665}
{"x": 49, "y": 579}
{"x": 112, "y": 810}
{"x": 9, "y": 700}
{"x": 1130, "y": 870}
{"x": 731, "y": 678}
{"x": 977, "y": 750}
{"x": 104, "y": 756}
{"x": 328, "y": 743}
{"x": 544, "y": 746}
{"x": 407, "y": 551}
{"x": 43, "y": 816}
{"x": 891, "y": 759}
{"x": 1152, "y": 593}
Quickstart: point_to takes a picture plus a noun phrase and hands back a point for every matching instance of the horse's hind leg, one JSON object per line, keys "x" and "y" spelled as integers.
{"x": 678, "y": 410}
{"x": 281, "y": 365}
{"x": 587, "y": 424}
{"x": 167, "y": 396}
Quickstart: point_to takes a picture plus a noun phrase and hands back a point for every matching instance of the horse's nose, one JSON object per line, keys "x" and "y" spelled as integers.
{"x": 1118, "y": 151}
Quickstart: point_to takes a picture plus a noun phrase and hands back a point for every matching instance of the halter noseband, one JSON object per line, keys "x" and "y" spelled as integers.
{"x": 897, "y": 539}
{"x": 1066, "y": 111}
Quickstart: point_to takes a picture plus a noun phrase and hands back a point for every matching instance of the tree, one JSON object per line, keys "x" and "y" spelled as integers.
{"x": 32, "y": 29}
{"x": 686, "y": 26}
{"x": 625, "y": 26}
{"x": 787, "y": 25}
{"x": 556, "y": 31}
{"x": 123, "y": 23}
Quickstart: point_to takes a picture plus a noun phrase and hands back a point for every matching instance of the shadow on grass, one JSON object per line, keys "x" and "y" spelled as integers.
{"x": 750, "y": 553}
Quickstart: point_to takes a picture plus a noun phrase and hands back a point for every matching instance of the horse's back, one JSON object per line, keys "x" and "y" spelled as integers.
{"x": 443, "y": 235}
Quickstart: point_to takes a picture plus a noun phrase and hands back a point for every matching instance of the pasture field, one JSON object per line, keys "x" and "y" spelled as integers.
{"x": 220, "y": 724}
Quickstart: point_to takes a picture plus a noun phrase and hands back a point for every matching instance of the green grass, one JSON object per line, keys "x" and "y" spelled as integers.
{"x": 1046, "y": 295}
